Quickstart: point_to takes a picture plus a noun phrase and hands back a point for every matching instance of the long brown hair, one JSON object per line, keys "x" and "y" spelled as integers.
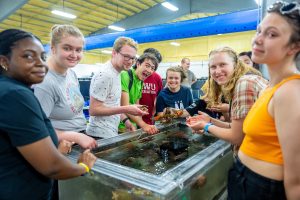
{"x": 215, "y": 91}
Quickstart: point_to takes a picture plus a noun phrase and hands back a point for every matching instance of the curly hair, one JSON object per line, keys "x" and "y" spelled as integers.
{"x": 215, "y": 91}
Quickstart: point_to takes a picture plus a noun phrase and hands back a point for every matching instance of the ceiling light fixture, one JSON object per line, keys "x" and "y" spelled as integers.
{"x": 169, "y": 6}
{"x": 113, "y": 27}
{"x": 175, "y": 44}
{"x": 63, "y": 14}
{"x": 116, "y": 28}
{"x": 106, "y": 51}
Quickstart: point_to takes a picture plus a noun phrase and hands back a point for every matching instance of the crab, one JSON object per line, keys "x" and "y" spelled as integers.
{"x": 168, "y": 115}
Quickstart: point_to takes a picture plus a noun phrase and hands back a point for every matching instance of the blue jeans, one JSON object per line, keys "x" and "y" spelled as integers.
{"x": 244, "y": 184}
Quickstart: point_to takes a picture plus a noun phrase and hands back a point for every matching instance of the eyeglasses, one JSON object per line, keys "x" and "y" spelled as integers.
{"x": 127, "y": 57}
{"x": 284, "y": 7}
{"x": 151, "y": 67}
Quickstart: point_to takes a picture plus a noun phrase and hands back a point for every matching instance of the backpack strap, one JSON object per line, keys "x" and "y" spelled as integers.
{"x": 130, "y": 79}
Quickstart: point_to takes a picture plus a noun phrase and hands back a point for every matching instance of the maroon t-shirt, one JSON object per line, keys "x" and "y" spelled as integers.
{"x": 151, "y": 87}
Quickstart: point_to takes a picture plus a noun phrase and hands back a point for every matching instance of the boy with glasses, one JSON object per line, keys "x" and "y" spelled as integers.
{"x": 105, "y": 92}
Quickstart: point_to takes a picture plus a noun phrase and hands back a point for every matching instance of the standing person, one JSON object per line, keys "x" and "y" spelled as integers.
{"x": 132, "y": 83}
{"x": 269, "y": 154}
{"x": 28, "y": 156}
{"x": 105, "y": 92}
{"x": 190, "y": 78}
{"x": 151, "y": 88}
{"x": 59, "y": 93}
{"x": 240, "y": 84}
{"x": 174, "y": 95}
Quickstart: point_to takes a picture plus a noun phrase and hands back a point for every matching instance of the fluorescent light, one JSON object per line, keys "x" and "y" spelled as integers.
{"x": 116, "y": 28}
{"x": 63, "y": 14}
{"x": 175, "y": 44}
{"x": 106, "y": 51}
{"x": 169, "y": 6}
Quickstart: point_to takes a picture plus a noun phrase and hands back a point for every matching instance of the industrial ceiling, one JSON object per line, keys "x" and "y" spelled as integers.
{"x": 94, "y": 16}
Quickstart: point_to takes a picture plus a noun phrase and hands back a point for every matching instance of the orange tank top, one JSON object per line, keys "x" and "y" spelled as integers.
{"x": 261, "y": 141}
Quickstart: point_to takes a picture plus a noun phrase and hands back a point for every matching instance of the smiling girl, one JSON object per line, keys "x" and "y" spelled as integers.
{"x": 29, "y": 158}
{"x": 59, "y": 93}
{"x": 239, "y": 84}
{"x": 174, "y": 95}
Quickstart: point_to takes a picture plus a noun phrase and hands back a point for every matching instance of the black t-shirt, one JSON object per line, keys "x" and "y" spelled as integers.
{"x": 200, "y": 105}
{"x": 22, "y": 122}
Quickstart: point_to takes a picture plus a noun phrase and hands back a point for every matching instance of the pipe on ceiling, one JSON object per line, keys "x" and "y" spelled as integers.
{"x": 219, "y": 24}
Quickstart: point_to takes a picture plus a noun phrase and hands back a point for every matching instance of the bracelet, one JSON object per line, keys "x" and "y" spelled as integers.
{"x": 124, "y": 120}
{"x": 87, "y": 169}
{"x": 206, "y": 127}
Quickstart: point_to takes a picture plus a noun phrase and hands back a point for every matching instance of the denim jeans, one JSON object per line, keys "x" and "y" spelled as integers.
{"x": 244, "y": 184}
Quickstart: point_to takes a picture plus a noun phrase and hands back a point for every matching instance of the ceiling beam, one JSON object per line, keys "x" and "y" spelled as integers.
{"x": 7, "y": 7}
{"x": 160, "y": 15}
{"x": 219, "y": 24}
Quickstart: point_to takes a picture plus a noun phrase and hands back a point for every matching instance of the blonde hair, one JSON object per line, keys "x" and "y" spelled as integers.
{"x": 176, "y": 69}
{"x": 215, "y": 91}
{"x": 205, "y": 88}
{"x": 122, "y": 41}
{"x": 59, "y": 31}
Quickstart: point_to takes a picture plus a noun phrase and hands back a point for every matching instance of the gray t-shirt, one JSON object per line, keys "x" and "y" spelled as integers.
{"x": 105, "y": 87}
{"x": 62, "y": 101}
{"x": 190, "y": 77}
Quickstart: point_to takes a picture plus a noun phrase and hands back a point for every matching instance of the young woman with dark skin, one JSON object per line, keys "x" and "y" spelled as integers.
{"x": 29, "y": 158}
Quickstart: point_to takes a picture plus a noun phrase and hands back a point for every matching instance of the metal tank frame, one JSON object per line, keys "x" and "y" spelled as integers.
{"x": 175, "y": 183}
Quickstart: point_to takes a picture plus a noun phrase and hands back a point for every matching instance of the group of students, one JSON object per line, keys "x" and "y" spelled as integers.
{"x": 37, "y": 127}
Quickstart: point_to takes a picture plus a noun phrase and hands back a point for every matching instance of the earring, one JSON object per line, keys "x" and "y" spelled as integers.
{"x": 4, "y": 67}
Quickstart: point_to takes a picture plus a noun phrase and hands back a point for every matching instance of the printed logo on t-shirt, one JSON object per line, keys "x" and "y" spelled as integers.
{"x": 179, "y": 105}
{"x": 74, "y": 98}
{"x": 149, "y": 88}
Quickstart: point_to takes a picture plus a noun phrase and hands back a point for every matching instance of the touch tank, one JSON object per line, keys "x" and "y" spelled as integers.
{"x": 174, "y": 164}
